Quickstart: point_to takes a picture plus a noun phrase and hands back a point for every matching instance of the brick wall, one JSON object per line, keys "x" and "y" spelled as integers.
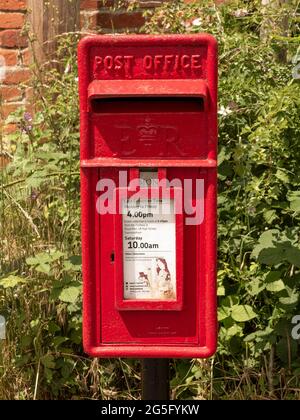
{"x": 95, "y": 15}
{"x": 13, "y": 56}
{"x": 99, "y": 14}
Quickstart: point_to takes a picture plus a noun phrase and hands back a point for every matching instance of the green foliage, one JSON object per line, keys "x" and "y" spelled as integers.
{"x": 40, "y": 279}
{"x": 259, "y": 213}
{"x": 11, "y": 281}
{"x": 259, "y": 199}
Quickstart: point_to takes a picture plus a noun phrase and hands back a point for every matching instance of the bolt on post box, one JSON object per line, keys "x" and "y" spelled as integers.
{"x": 148, "y": 107}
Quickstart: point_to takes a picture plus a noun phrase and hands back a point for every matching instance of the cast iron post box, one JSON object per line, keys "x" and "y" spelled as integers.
{"x": 148, "y": 187}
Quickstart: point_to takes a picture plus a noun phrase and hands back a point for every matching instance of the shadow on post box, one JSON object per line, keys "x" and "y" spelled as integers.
{"x": 164, "y": 123}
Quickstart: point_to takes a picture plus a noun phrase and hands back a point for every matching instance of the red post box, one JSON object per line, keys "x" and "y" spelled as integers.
{"x": 148, "y": 187}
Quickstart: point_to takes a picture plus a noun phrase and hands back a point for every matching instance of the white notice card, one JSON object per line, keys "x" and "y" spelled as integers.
{"x": 149, "y": 249}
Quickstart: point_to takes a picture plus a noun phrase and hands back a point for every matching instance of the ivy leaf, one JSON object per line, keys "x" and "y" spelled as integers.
{"x": 57, "y": 341}
{"x": 293, "y": 256}
{"x": 73, "y": 263}
{"x": 275, "y": 247}
{"x": 232, "y": 331}
{"x": 282, "y": 176}
{"x": 70, "y": 294}
{"x": 40, "y": 258}
{"x": 56, "y": 255}
{"x": 230, "y": 301}
{"x": 48, "y": 361}
{"x": 11, "y": 282}
{"x": 223, "y": 155}
{"x": 221, "y": 291}
{"x": 255, "y": 287}
{"x": 286, "y": 350}
{"x": 242, "y": 313}
{"x": 259, "y": 335}
{"x": 268, "y": 239}
{"x": 294, "y": 199}
{"x": 292, "y": 299}
{"x": 271, "y": 256}
{"x": 42, "y": 261}
{"x": 270, "y": 216}
{"x": 43, "y": 268}
{"x": 273, "y": 276}
{"x": 31, "y": 261}
{"x": 223, "y": 313}
{"x": 275, "y": 286}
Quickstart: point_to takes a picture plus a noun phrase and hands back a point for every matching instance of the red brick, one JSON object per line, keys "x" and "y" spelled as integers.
{"x": 11, "y": 20}
{"x": 29, "y": 94}
{"x": 9, "y": 108}
{"x": 10, "y": 128}
{"x": 119, "y": 20}
{"x": 4, "y": 161}
{"x": 10, "y": 56}
{"x": 12, "y": 38}
{"x": 90, "y": 4}
{"x": 13, "y": 4}
{"x": 18, "y": 75}
{"x": 10, "y": 93}
{"x": 96, "y": 4}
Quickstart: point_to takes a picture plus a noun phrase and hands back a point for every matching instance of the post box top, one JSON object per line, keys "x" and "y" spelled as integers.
{"x": 148, "y": 57}
{"x": 167, "y": 65}
{"x": 150, "y": 77}
{"x": 148, "y": 40}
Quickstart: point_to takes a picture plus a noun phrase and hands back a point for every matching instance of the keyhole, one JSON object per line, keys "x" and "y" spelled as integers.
{"x": 112, "y": 257}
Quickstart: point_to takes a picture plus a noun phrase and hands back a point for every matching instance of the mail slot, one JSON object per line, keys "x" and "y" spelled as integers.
{"x": 148, "y": 109}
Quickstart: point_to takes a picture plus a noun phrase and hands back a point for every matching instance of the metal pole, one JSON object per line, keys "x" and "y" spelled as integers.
{"x": 155, "y": 379}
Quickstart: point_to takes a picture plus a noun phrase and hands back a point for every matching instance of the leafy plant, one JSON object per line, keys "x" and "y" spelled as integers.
{"x": 259, "y": 250}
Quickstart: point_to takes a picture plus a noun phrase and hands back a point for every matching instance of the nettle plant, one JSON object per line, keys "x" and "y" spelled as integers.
{"x": 41, "y": 266}
{"x": 259, "y": 197}
{"x": 40, "y": 279}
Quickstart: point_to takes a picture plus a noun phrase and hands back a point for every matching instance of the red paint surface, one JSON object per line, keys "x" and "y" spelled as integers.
{"x": 148, "y": 101}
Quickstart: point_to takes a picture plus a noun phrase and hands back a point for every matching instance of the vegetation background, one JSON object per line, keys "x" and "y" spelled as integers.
{"x": 259, "y": 214}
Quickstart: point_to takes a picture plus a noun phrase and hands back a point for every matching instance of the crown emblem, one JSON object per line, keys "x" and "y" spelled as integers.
{"x": 148, "y": 132}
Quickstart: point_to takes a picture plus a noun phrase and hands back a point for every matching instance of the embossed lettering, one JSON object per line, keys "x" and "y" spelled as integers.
{"x": 176, "y": 62}
{"x": 148, "y": 62}
{"x": 108, "y": 62}
{"x": 169, "y": 60}
{"x": 158, "y": 59}
{"x": 196, "y": 61}
{"x": 186, "y": 62}
{"x": 119, "y": 64}
{"x": 98, "y": 61}
{"x": 129, "y": 62}
{"x": 153, "y": 64}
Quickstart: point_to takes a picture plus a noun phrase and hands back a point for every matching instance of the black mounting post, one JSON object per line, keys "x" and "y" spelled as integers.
{"x": 155, "y": 379}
